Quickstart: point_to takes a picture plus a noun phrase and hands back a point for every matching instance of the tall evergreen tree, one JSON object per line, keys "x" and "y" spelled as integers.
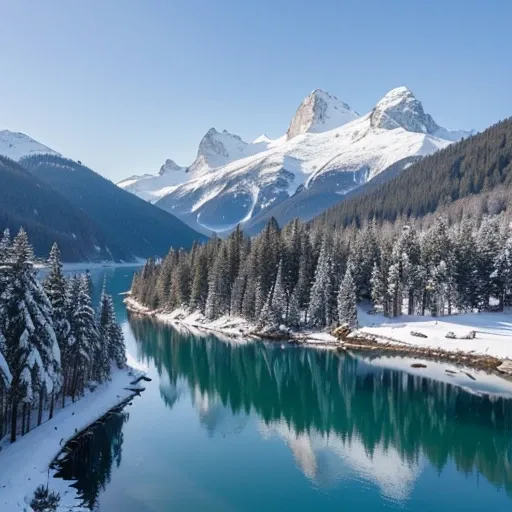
{"x": 320, "y": 313}
{"x": 347, "y": 300}
{"x": 55, "y": 288}
{"x": 31, "y": 345}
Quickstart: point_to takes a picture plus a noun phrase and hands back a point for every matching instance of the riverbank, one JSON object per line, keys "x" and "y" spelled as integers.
{"x": 421, "y": 337}
{"x": 25, "y": 464}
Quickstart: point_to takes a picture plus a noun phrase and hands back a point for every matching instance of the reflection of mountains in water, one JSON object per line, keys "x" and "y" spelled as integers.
{"x": 376, "y": 420}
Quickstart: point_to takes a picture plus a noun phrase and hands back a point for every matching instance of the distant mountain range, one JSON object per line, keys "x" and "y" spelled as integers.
{"x": 328, "y": 151}
{"x": 57, "y": 199}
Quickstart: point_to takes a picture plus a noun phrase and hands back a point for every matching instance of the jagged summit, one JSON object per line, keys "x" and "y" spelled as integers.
{"x": 219, "y": 148}
{"x": 320, "y": 112}
{"x": 399, "y": 108}
{"x": 169, "y": 166}
{"x": 328, "y": 151}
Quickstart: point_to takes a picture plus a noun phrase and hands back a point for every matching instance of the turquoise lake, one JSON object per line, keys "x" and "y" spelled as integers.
{"x": 259, "y": 426}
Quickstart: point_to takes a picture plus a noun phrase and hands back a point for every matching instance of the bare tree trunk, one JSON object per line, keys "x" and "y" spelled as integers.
{"x": 410, "y": 305}
{"x": 64, "y": 389}
{"x": 23, "y": 416}
{"x": 29, "y": 411}
{"x": 14, "y": 421}
{"x": 1, "y": 414}
{"x": 40, "y": 411}
{"x": 52, "y": 404}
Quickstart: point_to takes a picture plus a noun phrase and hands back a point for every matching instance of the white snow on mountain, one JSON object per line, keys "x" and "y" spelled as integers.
{"x": 320, "y": 112}
{"x": 328, "y": 149}
{"x": 152, "y": 187}
{"x": 16, "y": 146}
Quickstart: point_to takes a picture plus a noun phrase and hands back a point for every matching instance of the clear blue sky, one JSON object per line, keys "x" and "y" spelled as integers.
{"x": 124, "y": 84}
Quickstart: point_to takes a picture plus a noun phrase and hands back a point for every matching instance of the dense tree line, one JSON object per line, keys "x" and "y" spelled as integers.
{"x": 303, "y": 275}
{"x": 476, "y": 165}
{"x": 52, "y": 342}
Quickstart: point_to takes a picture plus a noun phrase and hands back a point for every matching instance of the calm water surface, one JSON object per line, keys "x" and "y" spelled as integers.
{"x": 230, "y": 427}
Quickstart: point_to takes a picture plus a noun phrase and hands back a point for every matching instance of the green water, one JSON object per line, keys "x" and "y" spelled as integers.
{"x": 227, "y": 427}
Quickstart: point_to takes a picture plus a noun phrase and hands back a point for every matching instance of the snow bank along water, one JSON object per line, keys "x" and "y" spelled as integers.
{"x": 25, "y": 463}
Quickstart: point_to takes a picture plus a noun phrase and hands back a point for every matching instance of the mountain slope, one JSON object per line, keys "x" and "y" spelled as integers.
{"x": 472, "y": 166}
{"x": 48, "y": 217}
{"x": 151, "y": 187}
{"x": 16, "y": 145}
{"x": 134, "y": 226}
{"x": 327, "y": 152}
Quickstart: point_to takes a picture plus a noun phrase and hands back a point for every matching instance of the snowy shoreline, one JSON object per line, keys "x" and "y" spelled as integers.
{"x": 491, "y": 347}
{"x": 29, "y": 459}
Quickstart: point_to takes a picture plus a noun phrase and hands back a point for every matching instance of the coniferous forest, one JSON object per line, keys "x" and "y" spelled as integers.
{"x": 303, "y": 275}
{"x": 53, "y": 344}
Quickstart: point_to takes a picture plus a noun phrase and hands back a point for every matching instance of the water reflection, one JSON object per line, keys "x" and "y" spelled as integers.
{"x": 349, "y": 424}
{"x": 340, "y": 416}
{"x": 93, "y": 457}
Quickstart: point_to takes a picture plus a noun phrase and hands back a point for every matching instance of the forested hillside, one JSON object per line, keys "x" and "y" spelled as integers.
{"x": 476, "y": 165}
{"x": 48, "y": 217}
{"x": 130, "y": 226}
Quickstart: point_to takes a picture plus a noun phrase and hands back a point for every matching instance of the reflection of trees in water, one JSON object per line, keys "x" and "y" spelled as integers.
{"x": 93, "y": 456}
{"x": 324, "y": 392}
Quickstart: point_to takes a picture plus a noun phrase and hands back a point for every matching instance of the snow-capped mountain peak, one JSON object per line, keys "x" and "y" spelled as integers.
{"x": 263, "y": 138}
{"x": 220, "y": 148}
{"x": 169, "y": 166}
{"x": 328, "y": 151}
{"x": 320, "y": 112}
{"x": 399, "y": 108}
{"x": 16, "y": 146}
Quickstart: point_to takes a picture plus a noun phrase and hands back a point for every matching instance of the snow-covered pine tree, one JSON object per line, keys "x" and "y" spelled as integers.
{"x": 163, "y": 281}
{"x": 502, "y": 273}
{"x": 31, "y": 345}
{"x": 5, "y": 246}
{"x": 269, "y": 318}
{"x": 379, "y": 287}
{"x": 199, "y": 291}
{"x": 487, "y": 243}
{"x": 320, "y": 312}
{"x": 306, "y": 275}
{"x": 465, "y": 266}
{"x": 103, "y": 356}
{"x": 294, "y": 319}
{"x": 347, "y": 300}
{"x": 237, "y": 295}
{"x": 438, "y": 265}
{"x": 363, "y": 255}
{"x": 279, "y": 298}
{"x": 111, "y": 330}
{"x": 55, "y": 288}
{"x": 86, "y": 339}
{"x": 218, "y": 300}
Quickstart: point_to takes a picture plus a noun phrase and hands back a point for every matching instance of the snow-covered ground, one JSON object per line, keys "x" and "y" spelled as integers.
{"x": 24, "y": 464}
{"x": 493, "y": 331}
